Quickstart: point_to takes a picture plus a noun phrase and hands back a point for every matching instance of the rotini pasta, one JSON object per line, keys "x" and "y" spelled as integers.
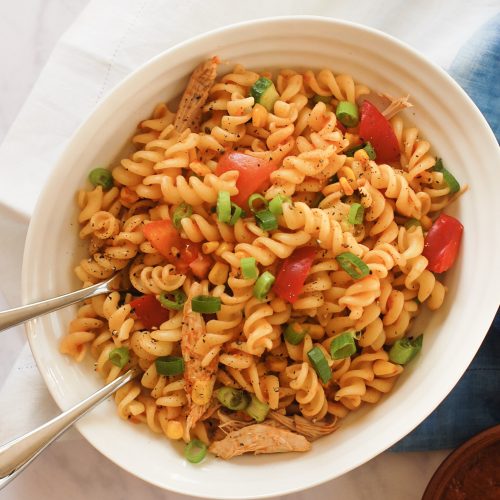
{"x": 271, "y": 259}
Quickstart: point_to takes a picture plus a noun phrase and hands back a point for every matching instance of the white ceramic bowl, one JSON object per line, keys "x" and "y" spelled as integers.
{"x": 447, "y": 118}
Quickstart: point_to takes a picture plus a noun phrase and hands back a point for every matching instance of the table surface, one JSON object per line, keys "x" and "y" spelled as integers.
{"x": 75, "y": 466}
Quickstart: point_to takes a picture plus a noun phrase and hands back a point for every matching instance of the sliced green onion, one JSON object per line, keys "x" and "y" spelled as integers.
{"x": 453, "y": 184}
{"x": 343, "y": 346}
{"x": 294, "y": 333}
{"x": 205, "y": 304}
{"x": 356, "y": 213}
{"x": 370, "y": 151}
{"x": 347, "y": 113}
{"x": 257, "y": 410}
{"x": 195, "y": 451}
{"x": 412, "y": 222}
{"x": 320, "y": 364}
{"x": 350, "y": 152}
{"x": 234, "y": 399}
{"x": 119, "y": 356}
{"x": 183, "y": 210}
{"x": 101, "y": 177}
{"x": 322, "y": 98}
{"x": 177, "y": 303}
{"x": 169, "y": 365}
{"x": 317, "y": 200}
{"x": 276, "y": 204}
{"x": 224, "y": 206}
{"x": 404, "y": 350}
{"x": 266, "y": 220}
{"x": 253, "y": 198}
{"x": 353, "y": 265}
{"x": 249, "y": 268}
{"x": 263, "y": 285}
{"x": 236, "y": 213}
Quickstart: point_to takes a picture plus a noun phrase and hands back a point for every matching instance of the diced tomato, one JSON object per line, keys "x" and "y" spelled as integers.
{"x": 149, "y": 311}
{"x": 201, "y": 266}
{"x": 188, "y": 252}
{"x": 254, "y": 174}
{"x": 163, "y": 236}
{"x": 442, "y": 243}
{"x": 178, "y": 251}
{"x": 377, "y": 130}
{"x": 293, "y": 273}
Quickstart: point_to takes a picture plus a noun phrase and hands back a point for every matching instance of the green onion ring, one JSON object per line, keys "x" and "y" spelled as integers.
{"x": 205, "y": 304}
{"x": 276, "y": 204}
{"x": 249, "y": 268}
{"x": 405, "y": 349}
{"x": 356, "y": 213}
{"x": 169, "y": 365}
{"x": 320, "y": 364}
{"x": 253, "y": 198}
{"x": 195, "y": 451}
{"x": 294, "y": 336}
{"x": 347, "y": 113}
{"x": 119, "y": 356}
{"x": 353, "y": 265}
{"x": 257, "y": 409}
{"x": 224, "y": 206}
{"x": 236, "y": 213}
{"x": 183, "y": 210}
{"x": 343, "y": 346}
{"x": 263, "y": 285}
{"x": 234, "y": 399}
{"x": 266, "y": 220}
{"x": 177, "y": 304}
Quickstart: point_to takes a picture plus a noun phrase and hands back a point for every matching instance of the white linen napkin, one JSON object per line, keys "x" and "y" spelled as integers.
{"x": 110, "y": 39}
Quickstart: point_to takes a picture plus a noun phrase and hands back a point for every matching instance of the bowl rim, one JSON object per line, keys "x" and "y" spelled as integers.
{"x": 122, "y": 87}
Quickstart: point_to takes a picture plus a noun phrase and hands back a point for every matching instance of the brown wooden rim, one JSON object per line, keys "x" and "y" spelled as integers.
{"x": 456, "y": 459}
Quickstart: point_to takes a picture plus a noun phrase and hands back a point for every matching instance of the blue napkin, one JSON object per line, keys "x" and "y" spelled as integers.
{"x": 474, "y": 403}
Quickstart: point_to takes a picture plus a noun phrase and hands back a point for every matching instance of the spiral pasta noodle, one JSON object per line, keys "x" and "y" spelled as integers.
{"x": 286, "y": 308}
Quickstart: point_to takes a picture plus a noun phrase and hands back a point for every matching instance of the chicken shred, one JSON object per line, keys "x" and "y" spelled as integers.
{"x": 259, "y": 438}
{"x": 190, "y": 108}
{"x": 193, "y": 329}
{"x": 308, "y": 429}
{"x": 396, "y": 105}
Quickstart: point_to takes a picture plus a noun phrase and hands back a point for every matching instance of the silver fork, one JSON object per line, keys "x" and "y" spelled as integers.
{"x": 13, "y": 317}
{"x": 20, "y": 452}
{"x": 17, "y": 454}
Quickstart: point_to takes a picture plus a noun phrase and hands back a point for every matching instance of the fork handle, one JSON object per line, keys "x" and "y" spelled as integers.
{"x": 20, "y": 452}
{"x": 12, "y": 317}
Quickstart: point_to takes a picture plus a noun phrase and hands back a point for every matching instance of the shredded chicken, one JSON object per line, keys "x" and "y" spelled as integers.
{"x": 310, "y": 430}
{"x": 199, "y": 379}
{"x": 232, "y": 422}
{"x": 194, "y": 97}
{"x": 259, "y": 438}
{"x": 396, "y": 105}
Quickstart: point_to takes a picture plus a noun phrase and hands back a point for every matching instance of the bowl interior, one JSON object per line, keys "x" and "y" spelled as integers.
{"x": 453, "y": 334}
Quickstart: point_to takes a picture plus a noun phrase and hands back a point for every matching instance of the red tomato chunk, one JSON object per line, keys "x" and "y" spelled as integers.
{"x": 442, "y": 243}
{"x": 377, "y": 130}
{"x": 293, "y": 273}
{"x": 254, "y": 174}
{"x": 149, "y": 311}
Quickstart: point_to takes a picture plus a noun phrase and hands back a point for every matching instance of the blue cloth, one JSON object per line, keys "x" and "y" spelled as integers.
{"x": 474, "y": 403}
